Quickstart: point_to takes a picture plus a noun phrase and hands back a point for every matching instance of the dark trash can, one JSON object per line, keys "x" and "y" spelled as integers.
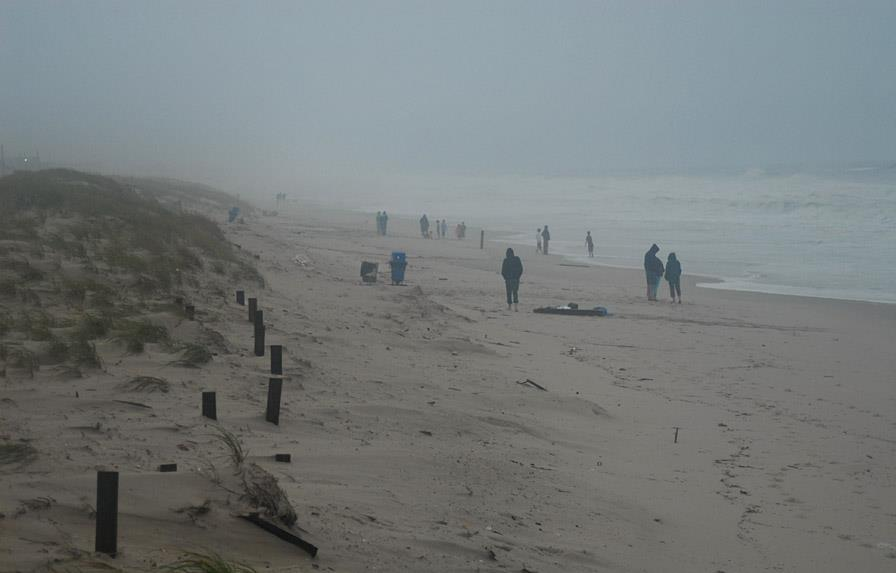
{"x": 369, "y": 271}
{"x": 398, "y": 264}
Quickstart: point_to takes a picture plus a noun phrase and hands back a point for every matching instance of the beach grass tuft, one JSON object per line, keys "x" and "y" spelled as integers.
{"x": 233, "y": 445}
{"x": 16, "y": 453}
{"x": 193, "y": 356}
{"x": 194, "y": 562}
{"x": 147, "y": 384}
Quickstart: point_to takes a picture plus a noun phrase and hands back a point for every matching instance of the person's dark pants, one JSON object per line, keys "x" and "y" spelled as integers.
{"x": 675, "y": 286}
{"x": 513, "y": 290}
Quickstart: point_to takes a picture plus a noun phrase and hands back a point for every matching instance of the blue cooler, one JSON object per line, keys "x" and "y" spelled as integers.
{"x": 398, "y": 265}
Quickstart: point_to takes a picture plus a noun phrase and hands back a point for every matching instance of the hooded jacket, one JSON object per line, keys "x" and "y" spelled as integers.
{"x": 673, "y": 268}
{"x": 512, "y": 267}
{"x": 652, "y": 263}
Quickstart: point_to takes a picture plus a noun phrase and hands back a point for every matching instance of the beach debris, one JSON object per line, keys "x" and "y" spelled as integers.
{"x": 35, "y": 504}
{"x": 532, "y": 383}
{"x": 426, "y": 432}
{"x": 164, "y": 468}
{"x": 283, "y": 458}
{"x": 195, "y": 511}
{"x": 281, "y": 533}
{"x": 136, "y": 404}
{"x": 676, "y": 435}
{"x": 262, "y": 491}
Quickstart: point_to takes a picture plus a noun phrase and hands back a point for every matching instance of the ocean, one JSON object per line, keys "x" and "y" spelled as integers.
{"x": 826, "y": 233}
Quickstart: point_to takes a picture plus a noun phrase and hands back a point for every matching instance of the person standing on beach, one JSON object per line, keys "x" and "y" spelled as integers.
{"x": 385, "y": 220}
{"x": 379, "y": 223}
{"x": 589, "y": 242}
{"x": 444, "y": 228}
{"x": 512, "y": 270}
{"x": 538, "y": 240}
{"x": 545, "y": 238}
{"x": 653, "y": 269}
{"x": 424, "y": 226}
{"x": 673, "y": 276}
{"x": 438, "y": 229}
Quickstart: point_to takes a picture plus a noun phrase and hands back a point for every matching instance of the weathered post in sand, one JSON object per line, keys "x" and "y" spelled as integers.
{"x": 190, "y": 312}
{"x": 259, "y": 332}
{"x": 275, "y": 387}
{"x": 106, "y": 512}
{"x": 241, "y": 297}
{"x": 276, "y": 359}
{"x": 253, "y": 306}
{"x": 209, "y": 405}
{"x": 482, "y": 238}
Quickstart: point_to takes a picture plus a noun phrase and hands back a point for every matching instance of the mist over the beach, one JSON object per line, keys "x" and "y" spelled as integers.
{"x": 297, "y": 96}
{"x": 278, "y": 293}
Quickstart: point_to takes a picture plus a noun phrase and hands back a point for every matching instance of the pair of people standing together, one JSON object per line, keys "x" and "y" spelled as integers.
{"x": 654, "y": 269}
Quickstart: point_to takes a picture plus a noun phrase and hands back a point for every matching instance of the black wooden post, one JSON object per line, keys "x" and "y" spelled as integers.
{"x": 253, "y": 306}
{"x": 259, "y": 339}
{"x": 276, "y": 359}
{"x": 209, "y": 405}
{"x": 275, "y": 387}
{"x": 106, "y": 512}
{"x": 241, "y": 297}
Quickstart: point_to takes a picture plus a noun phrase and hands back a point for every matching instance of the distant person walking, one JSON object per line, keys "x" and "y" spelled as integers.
{"x": 379, "y": 222}
{"x": 589, "y": 243}
{"x": 424, "y": 226}
{"x": 512, "y": 270}
{"x": 673, "y": 276}
{"x": 444, "y": 228}
{"x": 385, "y": 221}
{"x": 538, "y": 240}
{"x": 545, "y": 239}
{"x": 438, "y": 229}
{"x": 653, "y": 268}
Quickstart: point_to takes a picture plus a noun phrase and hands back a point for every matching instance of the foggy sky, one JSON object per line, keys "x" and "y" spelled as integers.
{"x": 270, "y": 94}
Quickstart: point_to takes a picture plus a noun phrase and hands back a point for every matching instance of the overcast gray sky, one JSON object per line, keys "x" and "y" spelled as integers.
{"x": 274, "y": 92}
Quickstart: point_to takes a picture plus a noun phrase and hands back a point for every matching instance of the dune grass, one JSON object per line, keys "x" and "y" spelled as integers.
{"x": 193, "y": 356}
{"x": 16, "y": 453}
{"x": 194, "y": 562}
{"x": 147, "y": 384}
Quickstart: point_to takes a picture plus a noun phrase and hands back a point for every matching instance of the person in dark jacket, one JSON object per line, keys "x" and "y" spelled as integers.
{"x": 512, "y": 270}
{"x": 673, "y": 276}
{"x": 545, "y": 239}
{"x": 653, "y": 268}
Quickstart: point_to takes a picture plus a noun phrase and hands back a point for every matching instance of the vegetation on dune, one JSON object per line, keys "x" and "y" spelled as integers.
{"x": 208, "y": 563}
{"x": 16, "y": 453}
{"x": 84, "y": 257}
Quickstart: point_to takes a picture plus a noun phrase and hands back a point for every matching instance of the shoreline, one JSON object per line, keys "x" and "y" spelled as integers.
{"x": 702, "y": 281}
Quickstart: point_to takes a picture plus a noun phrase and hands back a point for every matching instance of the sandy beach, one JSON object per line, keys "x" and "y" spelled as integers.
{"x": 416, "y": 448}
